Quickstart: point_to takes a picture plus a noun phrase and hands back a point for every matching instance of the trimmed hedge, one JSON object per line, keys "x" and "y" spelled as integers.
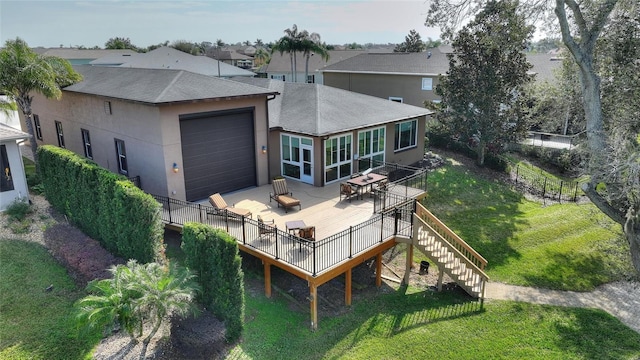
{"x": 213, "y": 255}
{"x": 105, "y": 206}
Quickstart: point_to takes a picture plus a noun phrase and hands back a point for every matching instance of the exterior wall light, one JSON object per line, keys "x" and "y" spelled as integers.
{"x": 264, "y": 149}
{"x": 175, "y": 168}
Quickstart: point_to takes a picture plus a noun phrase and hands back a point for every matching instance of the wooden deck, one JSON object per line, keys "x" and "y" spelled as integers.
{"x": 347, "y": 232}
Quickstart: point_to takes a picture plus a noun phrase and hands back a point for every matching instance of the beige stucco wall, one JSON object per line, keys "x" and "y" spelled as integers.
{"x": 407, "y": 87}
{"x": 151, "y": 134}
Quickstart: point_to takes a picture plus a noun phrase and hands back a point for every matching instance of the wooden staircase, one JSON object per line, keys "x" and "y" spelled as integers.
{"x": 449, "y": 252}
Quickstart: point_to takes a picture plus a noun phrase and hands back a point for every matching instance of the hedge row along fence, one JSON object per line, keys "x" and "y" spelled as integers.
{"x": 212, "y": 254}
{"x": 105, "y": 206}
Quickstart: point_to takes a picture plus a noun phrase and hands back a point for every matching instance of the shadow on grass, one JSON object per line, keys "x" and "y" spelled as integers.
{"x": 483, "y": 213}
{"x": 579, "y": 271}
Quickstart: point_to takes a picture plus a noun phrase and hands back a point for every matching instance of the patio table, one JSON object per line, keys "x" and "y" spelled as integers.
{"x": 364, "y": 181}
{"x": 294, "y": 225}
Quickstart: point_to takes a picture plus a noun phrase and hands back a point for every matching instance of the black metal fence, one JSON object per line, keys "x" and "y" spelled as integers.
{"x": 308, "y": 255}
{"x": 543, "y": 186}
{"x": 136, "y": 181}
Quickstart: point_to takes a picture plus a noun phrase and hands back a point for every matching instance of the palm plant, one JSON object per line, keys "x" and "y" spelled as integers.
{"x": 261, "y": 57}
{"x": 311, "y": 45}
{"x": 291, "y": 44}
{"x": 23, "y": 72}
{"x": 138, "y": 296}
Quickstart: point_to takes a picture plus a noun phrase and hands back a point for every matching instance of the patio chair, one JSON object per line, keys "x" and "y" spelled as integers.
{"x": 266, "y": 227}
{"x": 347, "y": 191}
{"x": 307, "y": 233}
{"x": 282, "y": 195}
{"x": 218, "y": 203}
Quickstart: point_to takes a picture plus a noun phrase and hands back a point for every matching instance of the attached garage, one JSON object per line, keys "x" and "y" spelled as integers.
{"x": 218, "y": 152}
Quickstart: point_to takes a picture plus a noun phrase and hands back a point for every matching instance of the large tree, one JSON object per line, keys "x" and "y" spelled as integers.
{"x": 120, "y": 43}
{"x": 23, "y": 72}
{"x": 581, "y": 25}
{"x": 311, "y": 45}
{"x": 484, "y": 88}
{"x": 412, "y": 43}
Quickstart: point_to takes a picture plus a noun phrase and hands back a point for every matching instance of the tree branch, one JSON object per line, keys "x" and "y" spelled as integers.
{"x": 603, "y": 205}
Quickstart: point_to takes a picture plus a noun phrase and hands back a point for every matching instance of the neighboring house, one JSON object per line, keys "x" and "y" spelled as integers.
{"x": 186, "y": 135}
{"x": 13, "y": 182}
{"x": 170, "y": 58}
{"x": 11, "y": 117}
{"x": 279, "y": 67}
{"x": 231, "y": 57}
{"x": 409, "y": 78}
{"x": 319, "y": 134}
{"x": 82, "y": 56}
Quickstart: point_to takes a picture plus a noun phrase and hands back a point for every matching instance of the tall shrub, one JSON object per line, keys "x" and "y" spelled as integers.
{"x": 104, "y": 205}
{"x": 212, "y": 254}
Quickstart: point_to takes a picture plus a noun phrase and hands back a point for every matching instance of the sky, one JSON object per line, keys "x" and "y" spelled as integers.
{"x": 92, "y": 22}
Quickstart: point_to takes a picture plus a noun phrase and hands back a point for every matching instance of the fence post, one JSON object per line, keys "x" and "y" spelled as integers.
{"x": 244, "y": 233}
{"x": 544, "y": 187}
{"x": 313, "y": 247}
{"x": 560, "y": 195}
{"x": 169, "y": 207}
{"x": 200, "y": 212}
{"x": 395, "y": 223}
{"x": 350, "y": 242}
{"x": 517, "y": 169}
{"x": 575, "y": 194}
{"x": 277, "y": 244}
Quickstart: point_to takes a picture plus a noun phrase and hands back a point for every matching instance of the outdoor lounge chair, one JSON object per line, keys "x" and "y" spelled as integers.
{"x": 347, "y": 191}
{"x": 307, "y": 233}
{"x": 282, "y": 195}
{"x": 218, "y": 202}
{"x": 266, "y": 227}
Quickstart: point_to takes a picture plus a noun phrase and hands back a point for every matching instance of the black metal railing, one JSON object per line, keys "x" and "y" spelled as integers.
{"x": 308, "y": 255}
{"x": 544, "y": 186}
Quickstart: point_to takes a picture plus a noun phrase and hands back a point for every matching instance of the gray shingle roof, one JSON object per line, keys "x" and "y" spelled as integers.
{"x": 8, "y": 133}
{"x": 158, "y": 86}
{"x": 422, "y": 64}
{"x": 170, "y": 58}
{"x": 69, "y": 54}
{"x": 320, "y": 110}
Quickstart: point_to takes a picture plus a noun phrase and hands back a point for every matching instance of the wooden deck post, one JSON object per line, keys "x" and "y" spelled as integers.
{"x": 440, "y": 276}
{"x": 313, "y": 295}
{"x": 347, "y": 287}
{"x": 379, "y": 269}
{"x": 408, "y": 265}
{"x": 267, "y": 279}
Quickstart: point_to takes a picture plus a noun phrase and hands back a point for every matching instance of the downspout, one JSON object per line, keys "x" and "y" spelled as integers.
{"x": 266, "y": 103}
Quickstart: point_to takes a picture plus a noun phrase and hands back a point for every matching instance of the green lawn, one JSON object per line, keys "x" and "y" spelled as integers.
{"x": 36, "y": 324}
{"x": 563, "y": 246}
{"x": 423, "y": 324}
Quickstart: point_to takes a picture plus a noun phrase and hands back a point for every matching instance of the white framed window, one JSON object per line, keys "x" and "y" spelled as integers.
{"x": 396, "y": 99}
{"x": 370, "y": 148}
{"x": 427, "y": 84}
{"x": 311, "y": 79}
{"x": 121, "y": 154}
{"x": 60, "y": 134}
{"x": 6, "y": 180}
{"x": 338, "y": 158}
{"x": 36, "y": 125}
{"x": 86, "y": 141}
{"x": 406, "y": 135}
{"x": 278, "y": 77}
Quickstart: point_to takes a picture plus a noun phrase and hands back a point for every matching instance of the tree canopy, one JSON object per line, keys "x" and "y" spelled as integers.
{"x": 24, "y": 72}
{"x": 412, "y": 43}
{"x": 120, "y": 43}
{"x": 484, "y": 88}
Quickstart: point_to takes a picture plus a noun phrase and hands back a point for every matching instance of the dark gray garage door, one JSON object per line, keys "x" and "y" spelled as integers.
{"x": 218, "y": 152}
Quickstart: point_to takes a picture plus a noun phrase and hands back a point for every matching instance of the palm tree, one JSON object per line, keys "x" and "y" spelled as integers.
{"x": 23, "y": 72}
{"x": 138, "y": 295}
{"x": 291, "y": 43}
{"x": 312, "y": 45}
{"x": 261, "y": 57}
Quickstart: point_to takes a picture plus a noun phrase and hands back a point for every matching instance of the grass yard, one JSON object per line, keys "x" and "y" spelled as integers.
{"x": 563, "y": 246}
{"x": 36, "y": 324}
{"x": 423, "y": 324}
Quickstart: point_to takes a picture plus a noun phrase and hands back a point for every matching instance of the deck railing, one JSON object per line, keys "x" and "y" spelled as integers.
{"x": 311, "y": 256}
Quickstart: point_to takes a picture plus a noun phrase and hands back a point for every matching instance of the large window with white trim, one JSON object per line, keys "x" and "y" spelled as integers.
{"x": 290, "y": 156}
{"x": 37, "y": 128}
{"x": 406, "y": 135}
{"x": 337, "y": 157}
{"x": 370, "y": 148}
{"x": 60, "y": 134}
{"x": 86, "y": 141}
{"x": 121, "y": 154}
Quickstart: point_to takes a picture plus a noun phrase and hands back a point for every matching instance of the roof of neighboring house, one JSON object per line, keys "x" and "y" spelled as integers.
{"x": 170, "y": 58}
{"x": 69, "y": 54}
{"x": 424, "y": 64}
{"x": 221, "y": 54}
{"x": 7, "y": 133}
{"x": 432, "y": 62}
{"x": 319, "y": 110}
{"x": 158, "y": 86}
{"x": 282, "y": 63}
